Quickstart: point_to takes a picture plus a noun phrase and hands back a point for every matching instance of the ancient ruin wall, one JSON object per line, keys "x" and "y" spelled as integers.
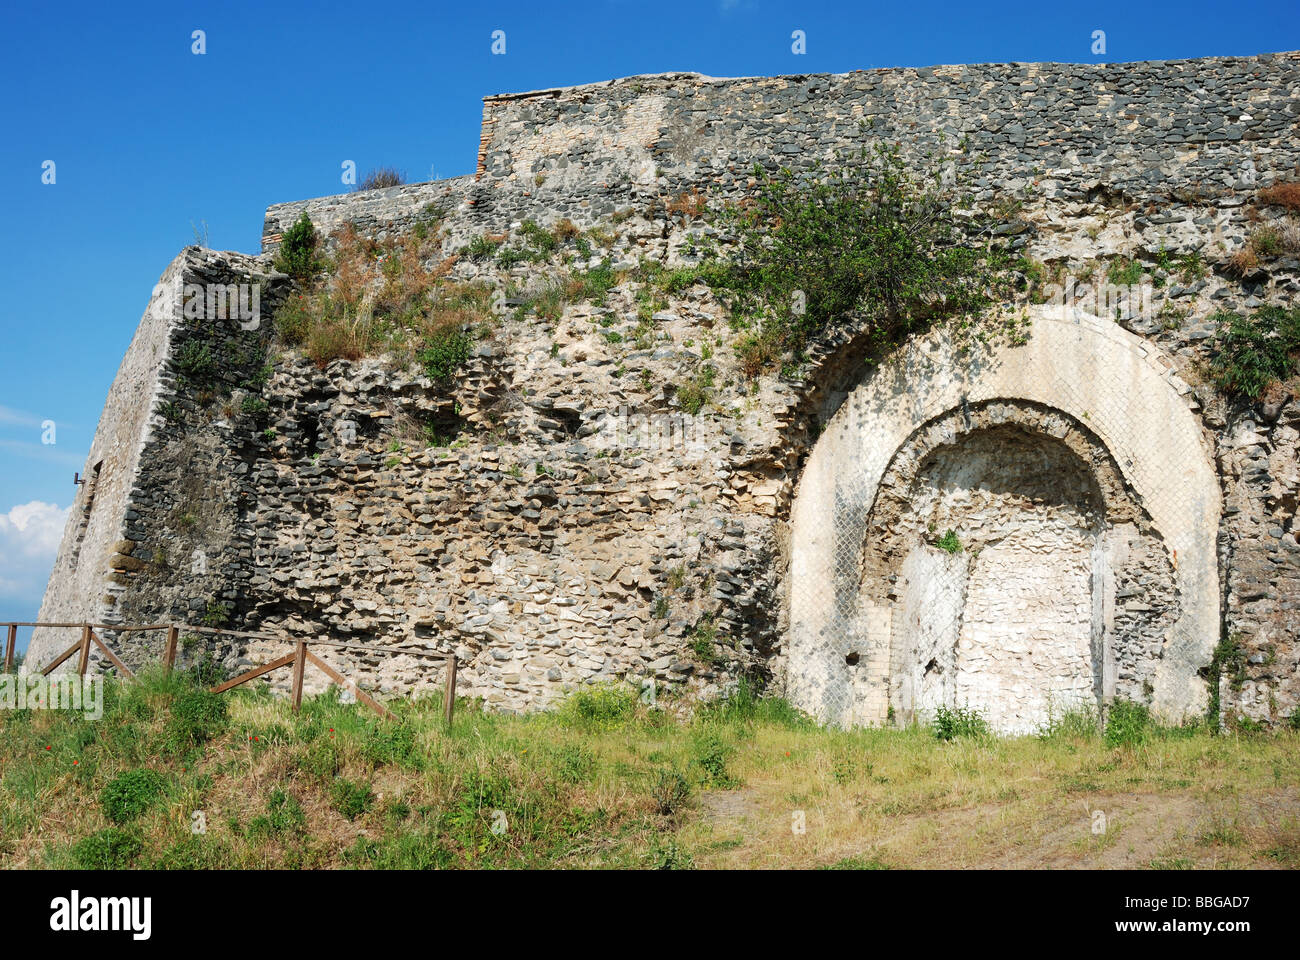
{"x": 549, "y": 555}
{"x": 1156, "y": 130}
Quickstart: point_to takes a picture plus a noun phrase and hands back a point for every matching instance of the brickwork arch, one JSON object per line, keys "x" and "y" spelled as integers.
{"x": 1109, "y": 384}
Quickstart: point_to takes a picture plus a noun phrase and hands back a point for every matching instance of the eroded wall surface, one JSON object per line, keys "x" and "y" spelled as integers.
{"x": 585, "y": 528}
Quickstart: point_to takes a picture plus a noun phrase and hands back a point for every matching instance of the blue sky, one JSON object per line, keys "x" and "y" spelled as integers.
{"x": 151, "y": 142}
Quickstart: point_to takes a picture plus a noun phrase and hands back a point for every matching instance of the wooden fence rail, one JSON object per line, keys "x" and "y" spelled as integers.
{"x": 298, "y": 659}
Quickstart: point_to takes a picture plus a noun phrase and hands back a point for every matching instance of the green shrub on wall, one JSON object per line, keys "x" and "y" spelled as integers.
{"x": 1258, "y": 351}
{"x": 297, "y": 253}
{"x": 866, "y": 235}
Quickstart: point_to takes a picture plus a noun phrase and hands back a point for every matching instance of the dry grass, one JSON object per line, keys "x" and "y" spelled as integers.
{"x": 690, "y": 204}
{"x": 1286, "y": 195}
{"x": 903, "y": 799}
{"x": 1243, "y": 261}
{"x": 378, "y": 298}
{"x": 604, "y": 782}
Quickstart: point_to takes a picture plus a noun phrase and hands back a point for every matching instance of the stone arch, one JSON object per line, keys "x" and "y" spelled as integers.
{"x": 1101, "y": 404}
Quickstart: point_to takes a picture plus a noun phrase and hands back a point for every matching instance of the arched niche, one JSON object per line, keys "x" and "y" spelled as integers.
{"x": 1103, "y": 415}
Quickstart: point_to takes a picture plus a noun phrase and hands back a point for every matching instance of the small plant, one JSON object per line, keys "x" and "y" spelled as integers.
{"x": 217, "y": 614}
{"x": 698, "y": 391}
{"x": 131, "y": 793}
{"x": 380, "y": 179}
{"x": 574, "y": 763}
{"x": 671, "y": 791}
{"x": 297, "y": 253}
{"x": 949, "y": 543}
{"x": 1124, "y": 272}
{"x": 351, "y": 799}
{"x": 195, "y": 363}
{"x": 1191, "y": 268}
{"x": 283, "y": 815}
{"x": 1243, "y": 261}
{"x": 1128, "y": 724}
{"x": 953, "y": 722}
{"x": 1266, "y": 241}
{"x": 483, "y": 247}
{"x": 711, "y": 754}
{"x": 542, "y": 240}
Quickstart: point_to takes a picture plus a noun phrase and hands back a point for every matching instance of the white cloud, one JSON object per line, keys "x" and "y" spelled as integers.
{"x": 29, "y": 540}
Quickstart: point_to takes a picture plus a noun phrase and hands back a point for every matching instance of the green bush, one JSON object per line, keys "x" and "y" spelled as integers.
{"x": 605, "y": 707}
{"x": 109, "y": 849}
{"x": 444, "y": 353}
{"x": 131, "y": 793}
{"x": 197, "y": 716}
{"x": 1128, "y": 724}
{"x": 351, "y": 799}
{"x": 711, "y": 754}
{"x": 870, "y": 235}
{"x": 1256, "y": 352}
{"x": 297, "y": 253}
{"x": 953, "y": 722}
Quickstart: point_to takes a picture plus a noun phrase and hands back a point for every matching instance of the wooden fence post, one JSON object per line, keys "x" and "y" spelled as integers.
{"x": 451, "y": 688}
{"x": 169, "y": 658}
{"x": 9, "y": 647}
{"x": 83, "y": 662}
{"x": 299, "y": 665}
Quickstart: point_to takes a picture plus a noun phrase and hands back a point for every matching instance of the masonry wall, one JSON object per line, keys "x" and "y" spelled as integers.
{"x": 550, "y": 550}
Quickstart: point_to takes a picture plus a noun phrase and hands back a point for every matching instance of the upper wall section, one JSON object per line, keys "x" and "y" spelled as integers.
{"x": 1147, "y": 130}
{"x": 1139, "y": 123}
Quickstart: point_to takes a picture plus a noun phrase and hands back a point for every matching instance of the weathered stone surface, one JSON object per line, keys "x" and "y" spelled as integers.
{"x": 585, "y": 529}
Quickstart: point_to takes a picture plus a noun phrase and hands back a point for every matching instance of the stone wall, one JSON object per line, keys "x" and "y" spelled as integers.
{"x": 583, "y": 527}
{"x": 1174, "y": 132}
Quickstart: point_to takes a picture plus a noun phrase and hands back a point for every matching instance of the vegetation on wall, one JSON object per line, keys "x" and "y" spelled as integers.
{"x": 381, "y": 178}
{"x": 869, "y": 235}
{"x": 1256, "y": 352}
{"x": 297, "y": 255}
{"x": 386, "y": 297}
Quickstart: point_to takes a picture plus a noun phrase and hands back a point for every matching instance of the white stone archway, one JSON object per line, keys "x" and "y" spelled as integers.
{"x": 1090, "y": 370}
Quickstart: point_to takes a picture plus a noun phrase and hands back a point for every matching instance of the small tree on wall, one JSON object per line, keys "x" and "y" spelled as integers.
{"x": 297, "y": 254}
{"x": 867, "y": 235}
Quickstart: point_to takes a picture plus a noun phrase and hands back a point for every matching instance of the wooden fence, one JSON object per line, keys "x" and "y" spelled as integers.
{"x": 298, "y": 660}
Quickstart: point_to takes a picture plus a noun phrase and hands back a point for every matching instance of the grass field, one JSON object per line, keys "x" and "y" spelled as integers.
{"x": 174, "y": 777}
